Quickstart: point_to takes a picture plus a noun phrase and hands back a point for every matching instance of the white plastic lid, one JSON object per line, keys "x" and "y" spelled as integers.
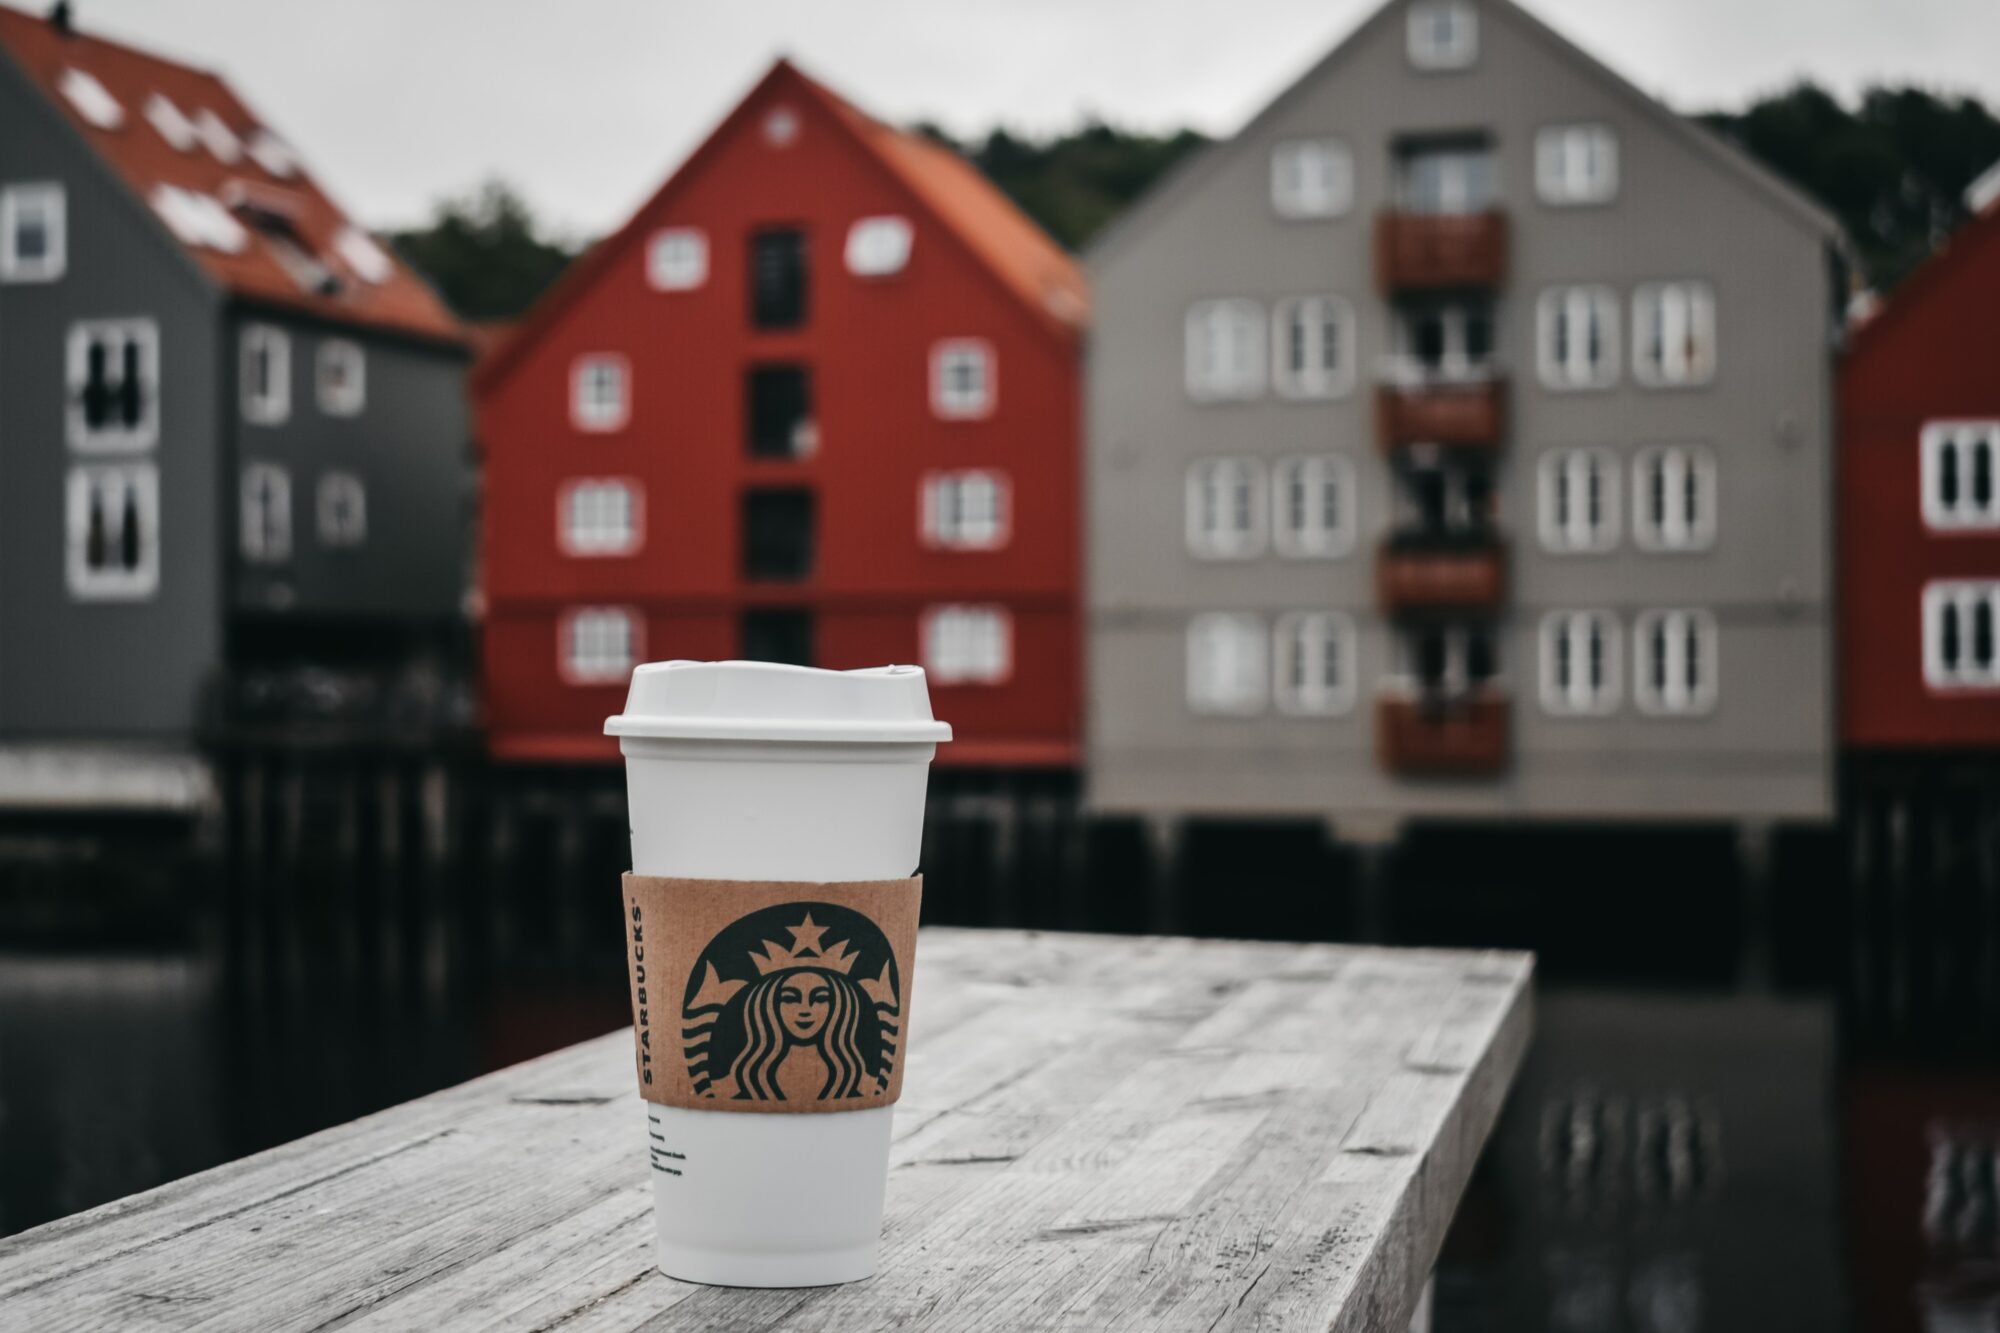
{"x": 764, "y": 701}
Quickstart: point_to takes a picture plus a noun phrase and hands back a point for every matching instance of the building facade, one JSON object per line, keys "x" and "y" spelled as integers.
{"x": 1920, "y": 507}
{"x": 816, "y": 402}
{"x": 1459, "y": 444}
{"x": 233, "y": 435}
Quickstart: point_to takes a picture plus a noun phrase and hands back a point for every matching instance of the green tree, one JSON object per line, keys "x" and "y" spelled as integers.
{"x": 484, "y": 254}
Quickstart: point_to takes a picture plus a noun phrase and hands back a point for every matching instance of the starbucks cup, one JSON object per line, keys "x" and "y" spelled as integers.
{"x": 769, "y": 775}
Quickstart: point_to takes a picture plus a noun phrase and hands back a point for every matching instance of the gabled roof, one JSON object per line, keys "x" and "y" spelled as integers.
{"x": 1940, "y": 270}
{"x": 1758, "y": 179}
{"x": 964, "y": 203}
{"x": 270, "y": 229}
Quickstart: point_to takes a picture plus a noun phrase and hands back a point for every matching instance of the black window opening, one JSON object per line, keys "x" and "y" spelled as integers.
{"x": 112, "y": 540}
{"x": 113, "y": 391}
{"x": 778, "y": 535}
{"x": 784, "y": 636}
{"x": 779, "y": 411}
{"x": 778, "y": 278}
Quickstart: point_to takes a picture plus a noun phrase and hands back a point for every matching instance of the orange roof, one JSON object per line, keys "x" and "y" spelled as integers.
{"x": 304, "y": 236}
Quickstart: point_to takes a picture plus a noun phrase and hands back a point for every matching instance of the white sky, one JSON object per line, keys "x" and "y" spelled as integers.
{"x": 586, "y": 105}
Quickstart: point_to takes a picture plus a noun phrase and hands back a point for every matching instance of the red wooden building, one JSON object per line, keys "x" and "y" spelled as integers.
{"x": 816, "y": 402}
{"x": 1920, "y": 507}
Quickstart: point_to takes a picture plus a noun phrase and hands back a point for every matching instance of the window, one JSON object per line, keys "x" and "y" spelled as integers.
{"x": 778, "y": 636}
{"x": 1226, "y": 670}
{"x": 1444, "y": 342}
{"x": 365, "y": 259}
{"x": 1447, "y": 661}
{"x": 273, "y": 154}
{"x": 1314, "y": 651}
{"x": 1675, "y": 656}
{"x": 1312, "y": 506}
{"x": 1311, "y": 178}
{"x": 1673, "y": 333}
{"x": 1225, "y": 508}
{"x": 1440, "y": 502}
{"x": 1225, "y": 350}
{"x": 91, "y": 99}
{"x": 34, "y": 233}
{"x": 1446, "y": 178}
{"x": 1673, "y": 498}
{"x": 600, "y": 644}
{"x": 778, "y": 279}
{"x": 1576, "y": 164}
{"x": 267, "y": 375}
{"x": 1577, "y": 337}
{"x": 1579, "y": 500}
{"x": 217, "y": 137}
{"x": 598, "y": 398}
{"x": 1444, "y": 34}
{"x": 1314, "y": 341}
{"x": 342, "y": 378}
{"x": 781, "y": 126}
{"x": 965, "y": 511}
{"x": 877, "y": 247}
{"x": 342, "y": 510}
{"x": 1958, "y": 461}
{"x": 962, "y": 379}
{"x": 677, "y": 259}
{"x": 1959, "y": 618}
{"x": 199, "y": 219}
{"x": 599, "y": 516}
{"x": 778, "y": 535}
{"x": 113, "y": 523}
{"x": 113, "y": 370}
{"x": 172, "y": 124}
{"x": 779, "y": 412}
{"x": 264, "y": 514}
{"x": 968, "y": 645}
{"x": 1580, "y": 663}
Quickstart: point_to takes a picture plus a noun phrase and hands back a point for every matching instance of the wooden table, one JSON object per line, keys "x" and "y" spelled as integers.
{"x": 1095, "y": 1133}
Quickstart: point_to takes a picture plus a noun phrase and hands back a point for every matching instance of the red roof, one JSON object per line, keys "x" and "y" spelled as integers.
{"x": 304, "y": 232}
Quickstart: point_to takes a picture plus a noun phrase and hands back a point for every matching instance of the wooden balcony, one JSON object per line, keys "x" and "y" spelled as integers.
{"x": 1462, "y": 415}
{"x": 1416, "y": 572}
{"x": 1464, "y": 737}
{"x": 1423, "y": 251}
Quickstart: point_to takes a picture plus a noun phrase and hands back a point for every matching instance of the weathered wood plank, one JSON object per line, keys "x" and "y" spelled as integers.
{"x": 1095, "y": 1132}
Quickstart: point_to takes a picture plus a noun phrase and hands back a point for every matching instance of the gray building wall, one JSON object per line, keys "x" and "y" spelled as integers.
{"x": 1682, "y": 211}
{"x": 101, "y": 669}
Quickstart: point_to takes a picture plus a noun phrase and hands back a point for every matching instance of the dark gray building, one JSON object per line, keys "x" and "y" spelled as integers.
{"x": 1458, "y": 444}
{"x": 233, "y": 436}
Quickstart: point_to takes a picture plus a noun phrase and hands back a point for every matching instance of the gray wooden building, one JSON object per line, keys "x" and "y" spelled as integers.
{"x": 233, "y": 436}
{"x": 1458, "y": 445}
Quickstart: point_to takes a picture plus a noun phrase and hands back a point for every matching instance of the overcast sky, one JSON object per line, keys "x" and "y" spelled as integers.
{"x": 586, "y": 105}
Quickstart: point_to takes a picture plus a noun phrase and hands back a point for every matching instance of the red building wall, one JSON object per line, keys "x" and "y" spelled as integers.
{"x": 868, "y": 343}
{"x": 1931, "y": 354}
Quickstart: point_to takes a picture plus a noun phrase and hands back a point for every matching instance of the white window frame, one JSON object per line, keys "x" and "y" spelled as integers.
{"x": 1680, "y": 532}
{"x": 968, "y": 644}
{"x": 1677, "y": 700}
{"x": 1564, "y": 478}
{"x": 171, "y": 123}
{"x": 1313, "y": 314}
{"x": 367, "y": 260}
{"x": 1966, "y": 440}
{"x": 1569, "y": 310}
{"x": 199, "y": 219}
{"x": 1963, "y": 597}
{"x": 1233, "y": 491}
{"x": 16, "y": 202}
{"x": 1687, "y": 312}
{"x": 1459, "y": 51}
{"x": 1315, "y": 539}
{"x": 1311, "y": 178}
{"x": 262, "y": 542}
{"x": 273, "y": 154}
{"x": 116, "y": 334}
{"x": 577, "y": 667}
{"x": 677, "y": 259}
{"x": 1301, "y": 638}
{"x": 91, "y": 99}
{"x": 590, "y": 535}
{"x": 951, "y": 401}
{"x": 1225, "y": 350}
{"x": 947, "y": 523}
{"x": 592, "y": 408}
{"x": 348, "y": 396}
{"x": 1563, "y": 154}
{"x": 273, "y": 405}
{"x": 1578, "y": 697}
{"x": 335, "y": 528}
{"x": 1248, "y": 669}
{"x": 137, "y": 584}
{"x": 878, "y": 247}
{"x": 222, "y": 142}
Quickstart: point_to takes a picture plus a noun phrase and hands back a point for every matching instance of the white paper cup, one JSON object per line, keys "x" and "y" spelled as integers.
{"x": 754, "y": 771}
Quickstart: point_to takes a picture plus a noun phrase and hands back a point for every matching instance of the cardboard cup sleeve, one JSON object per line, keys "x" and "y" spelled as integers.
{"x": 774, "y": 998}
